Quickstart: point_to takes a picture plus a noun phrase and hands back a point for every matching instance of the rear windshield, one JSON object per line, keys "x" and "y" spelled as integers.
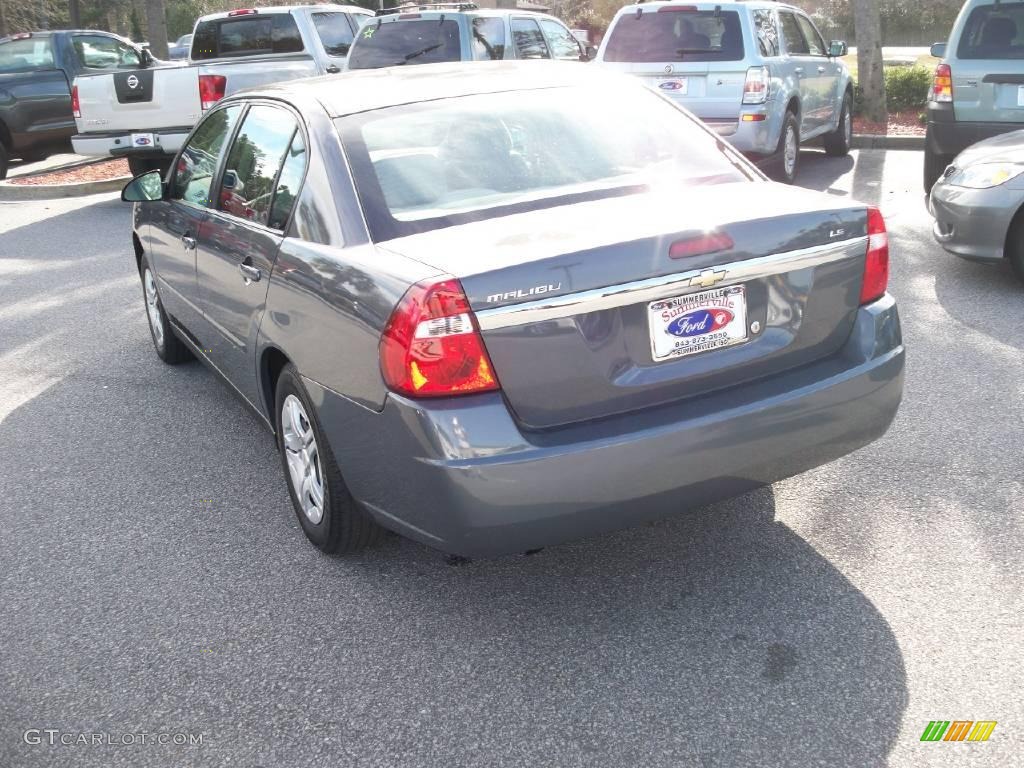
{"x": 676, "y": 35}
{"x": 26, "y": 55}
{"x": 993, "y": 33}
{"x": 426, "y": 41}
{"x": 247, "y": 35}
{"x": 448, "y": 162}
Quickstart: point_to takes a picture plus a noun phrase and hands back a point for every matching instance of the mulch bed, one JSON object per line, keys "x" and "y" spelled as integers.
{"x": 900, "y": 124}
{"x": 109, "y": 169}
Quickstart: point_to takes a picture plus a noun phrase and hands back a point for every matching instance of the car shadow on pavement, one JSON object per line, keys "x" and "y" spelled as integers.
{"x": 971, "y": 293}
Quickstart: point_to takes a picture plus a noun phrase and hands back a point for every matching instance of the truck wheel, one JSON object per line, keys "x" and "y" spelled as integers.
{"x": 140, "y": 165}
{"x": 4, "y": 157}
{"x": 934, "y": 165}
{"x": 837, "y": 143}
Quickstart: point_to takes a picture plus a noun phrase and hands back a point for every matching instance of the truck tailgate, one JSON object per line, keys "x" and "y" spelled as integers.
{"x": 140, "y": 100}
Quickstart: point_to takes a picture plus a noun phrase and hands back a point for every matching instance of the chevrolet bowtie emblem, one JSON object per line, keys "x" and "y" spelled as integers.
{"x": 707, "y": 278}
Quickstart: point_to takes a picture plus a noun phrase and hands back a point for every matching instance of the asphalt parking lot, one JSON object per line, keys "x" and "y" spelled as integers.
{"x": 153, "y": 578}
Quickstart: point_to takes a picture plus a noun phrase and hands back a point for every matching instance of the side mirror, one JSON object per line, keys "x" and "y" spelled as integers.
{"x": 230, "y": 180}
{"x": 590, "y": 52}
{"x": 837, "y": 48}
{"x": 938, "y": 50}
{"x": 144, "y": 189}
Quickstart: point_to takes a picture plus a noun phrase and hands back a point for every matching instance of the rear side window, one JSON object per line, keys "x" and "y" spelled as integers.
{"x": 247, "y": 186}
{"x": 993, "y": 32}
{"x": 767, "y": 32}
{"x": 248, "y": 35}
{"x": 530, "y": 43}
{"x": 795, "y": 43}
{"x": 676, "y": 35}
{"x": 563, "y": 44}
{"x": 288, "y": 183}
{"x": 26, "y": 55}
{"x": 335, "y": 32}
{"x": 488, "y": 38}
{"x": 425, "y": 41}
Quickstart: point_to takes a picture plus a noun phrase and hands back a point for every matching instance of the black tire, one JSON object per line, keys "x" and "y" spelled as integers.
{"x": 168, "y": 346}
{"x": 837, "y": 143}
{"x": 4, "y": 159}
{"x": 781, "y": 170}
{"x": 1015, "y": 245}
{"x": 343, "y": 526}
{"x": 934, "y": 165}
{"x": 141, "y": 165}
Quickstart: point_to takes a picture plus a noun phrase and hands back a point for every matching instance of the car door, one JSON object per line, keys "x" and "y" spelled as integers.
{"x": 801, "y": 68}
{"x": 561, "y": 41}
{"x": 529, "y": 40}
{"x": 176, "y": 223}
{"x": 823, "y": 72}
{"x": 239, "y": 240}
{"x": 34, "y": 89}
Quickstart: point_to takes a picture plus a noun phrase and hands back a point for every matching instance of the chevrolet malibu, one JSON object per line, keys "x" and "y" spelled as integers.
{"x": 494, "y": 307}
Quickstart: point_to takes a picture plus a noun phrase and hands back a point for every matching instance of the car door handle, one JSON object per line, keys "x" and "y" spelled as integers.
{"x": 821, "y": 70}
{"x": 250, "y": 273}
{"x": 799, "y": 71}
{"x": 188, "y": 242}
{"x": 331, "y": 69}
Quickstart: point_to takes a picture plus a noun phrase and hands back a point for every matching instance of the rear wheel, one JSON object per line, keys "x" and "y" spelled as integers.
{"x": 934, "y": 165}
{"x": 788, "y": 153}
{"x": 169, "y": 347}
{"x": 838, "y": 142}
{"x": 141, "y": 165}
{"x": 329, "y": 516}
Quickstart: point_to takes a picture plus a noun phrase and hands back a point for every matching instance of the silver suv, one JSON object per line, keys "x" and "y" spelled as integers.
{"x": 757, "y": 73}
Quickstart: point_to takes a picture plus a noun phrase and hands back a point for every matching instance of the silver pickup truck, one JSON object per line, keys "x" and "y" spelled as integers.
{"x": 145, "y": 115}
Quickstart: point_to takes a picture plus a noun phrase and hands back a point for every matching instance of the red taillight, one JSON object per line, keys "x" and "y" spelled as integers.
{"x": 699, "y": 245}
{"x": 942, "y": 85}
{"x": 876, "y": 262}
{"x": 211, "y": 89}
{"x": 431, "y": 346}
{"x": 76, "y": 108}
{"x": 242, "y": 11}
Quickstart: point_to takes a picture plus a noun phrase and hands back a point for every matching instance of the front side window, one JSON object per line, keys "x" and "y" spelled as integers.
{"x": 334, "y": 31}
{"x": 247, "y": 35}
{"x": 993, "y": 32}
{"x": 563, "y": 44}
{"x": 198, "y": 161}
{"x": 767, "y": 32}
{"x": 100, "y": 52}
{"x": 676, "y": 33}
{"x": 530, "y": 43}
{"x": 443, "y": 163}
{"x": 815, "y": 45}
{"x": 420, "y": 41}
{"x": 34, "y": 53}
{"x": 488, "y": 38}
{"x": 247, "y": 184}
{"x": 288, "y": 184}
{"x": 796, "y": 45}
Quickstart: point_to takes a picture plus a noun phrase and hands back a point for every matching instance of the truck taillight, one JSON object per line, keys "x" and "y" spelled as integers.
{"x": 942, "y": 85}
{"x": 76, "y": 108}
{"x": 211, "y": 89}
{"x": 876, "y": 261}
{"x": 755, "y": 87}
{"x": 432, "y": 347}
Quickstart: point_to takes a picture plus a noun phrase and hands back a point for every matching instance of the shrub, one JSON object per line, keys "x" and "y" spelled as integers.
{"x": 905, "y": 88}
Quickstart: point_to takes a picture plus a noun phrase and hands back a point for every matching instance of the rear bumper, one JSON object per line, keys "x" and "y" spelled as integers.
{"x": 760, "y": 137}
{"x": 947, "y": 137}
{"x": 973, "y": 223}
{"x": 461, "y": 476}
{"x": 119, "y": 143}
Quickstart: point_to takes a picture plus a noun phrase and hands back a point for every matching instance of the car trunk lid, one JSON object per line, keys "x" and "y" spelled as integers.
{"x": 576, "y": 318}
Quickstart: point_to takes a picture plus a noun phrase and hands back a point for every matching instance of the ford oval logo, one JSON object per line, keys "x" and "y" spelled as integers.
{"x": 142, "y": 141}
{"x": 672, "y": 85}
{"x": 133, "y": 81}
{"x": 697, "y": 322}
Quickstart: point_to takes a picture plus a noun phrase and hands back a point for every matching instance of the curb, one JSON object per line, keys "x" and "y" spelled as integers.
{"x": 81, "y": 163}
{"x": 54, "y": 191}
{"x": 868, "y": 141}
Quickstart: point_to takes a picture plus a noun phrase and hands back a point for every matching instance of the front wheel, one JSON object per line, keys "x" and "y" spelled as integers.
{"x": 839, "y": 141}
{"x": 329, "y": 516}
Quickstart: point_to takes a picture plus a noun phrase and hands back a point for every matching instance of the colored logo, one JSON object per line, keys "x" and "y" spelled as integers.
{"x": 133, "y": 81}
{"x": 958, "y": 730}
{"x": 697, "y": 322}
{"x": 671, "y": 85}
{"x": 142, "y": 141}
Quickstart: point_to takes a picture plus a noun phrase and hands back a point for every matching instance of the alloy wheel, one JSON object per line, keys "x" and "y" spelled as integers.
{"x": 303, "y": 457}
{"x": 153, "y": 309}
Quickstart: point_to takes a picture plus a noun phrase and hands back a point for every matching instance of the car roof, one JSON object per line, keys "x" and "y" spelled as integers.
{"x": 705, "y": 5}
{"x": 411, "y": 14}
{"x": 369, "y": 89}
{"x": 286, "y": 9}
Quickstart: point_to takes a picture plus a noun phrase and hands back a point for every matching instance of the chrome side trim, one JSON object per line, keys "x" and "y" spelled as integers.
{"x": 665, "y": 286}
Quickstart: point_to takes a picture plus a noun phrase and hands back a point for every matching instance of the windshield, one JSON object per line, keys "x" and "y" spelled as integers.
{"x": 397, "y": 43}
{"x": 676, "y": 34}
{"x": 26, "y": 55}
{"x": 993, "y": 32}
{"x": 438, "y": 164}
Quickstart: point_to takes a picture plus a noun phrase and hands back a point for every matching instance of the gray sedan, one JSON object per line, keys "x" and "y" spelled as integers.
{"x": 978, "y": 201}
{"x": 498, "y": 306}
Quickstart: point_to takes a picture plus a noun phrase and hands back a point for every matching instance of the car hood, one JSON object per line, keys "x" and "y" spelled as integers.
{"x": 1007, "y": 147}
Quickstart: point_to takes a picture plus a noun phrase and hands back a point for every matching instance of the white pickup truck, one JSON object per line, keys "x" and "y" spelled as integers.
{"x": 145, "y": 115}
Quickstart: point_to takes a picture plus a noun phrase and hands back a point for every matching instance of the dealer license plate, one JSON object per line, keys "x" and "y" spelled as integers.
{"x": 142, "y": 140}
{"x": 698, "y": 322}
{"x": 673, "y": 86}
